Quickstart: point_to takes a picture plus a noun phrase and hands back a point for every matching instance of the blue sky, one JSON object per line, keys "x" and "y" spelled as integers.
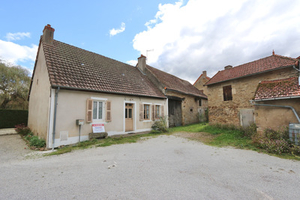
{"x": 183, "y": 37}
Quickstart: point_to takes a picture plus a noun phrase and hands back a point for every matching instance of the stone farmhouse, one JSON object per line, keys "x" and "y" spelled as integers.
{"x": 73, "y": 90}
{"x": 234, "y": 92}
{"x": 201, "y": 81}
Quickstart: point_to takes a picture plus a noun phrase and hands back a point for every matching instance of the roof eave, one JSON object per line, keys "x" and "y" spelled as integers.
{"x": 277, "y": 98}
{"x": 186, "y": 93}
{"x": 91, "y": 90}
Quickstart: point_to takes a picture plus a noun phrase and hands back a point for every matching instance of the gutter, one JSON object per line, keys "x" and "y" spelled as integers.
{"x": 278, "y": 98}
{"x": 91, "y": 90}
{"x": 54, "y": 120}
{"x": 278, "y": 106}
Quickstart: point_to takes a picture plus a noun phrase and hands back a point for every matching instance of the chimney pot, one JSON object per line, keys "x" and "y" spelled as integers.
{"x": 228, "y": 67}
{"x": 48, "y": 34}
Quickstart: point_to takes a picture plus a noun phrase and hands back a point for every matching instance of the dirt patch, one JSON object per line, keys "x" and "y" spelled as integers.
{"x": 199, "y": 136}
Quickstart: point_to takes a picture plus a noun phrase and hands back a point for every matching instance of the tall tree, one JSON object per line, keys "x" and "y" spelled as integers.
{"x": 14, "y": 86}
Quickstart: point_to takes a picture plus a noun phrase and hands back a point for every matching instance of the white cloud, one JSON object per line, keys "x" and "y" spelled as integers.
{"x": 14, "y": 53}
{"x": 17, "y": 36}
{"x": 208, "y": 35}
{"x": 132, "y": 62}
{"x": 114, "y": 31}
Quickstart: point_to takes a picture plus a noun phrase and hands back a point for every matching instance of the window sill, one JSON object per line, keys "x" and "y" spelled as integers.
{"x": 99, "y": 121}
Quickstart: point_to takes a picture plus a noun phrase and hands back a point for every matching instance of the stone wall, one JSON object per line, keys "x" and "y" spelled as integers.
{"x": 266, "y": 116}
{"x": 189, "y": 107}
{"x": 199, "y": 84}
{"x": 243, "y": 90}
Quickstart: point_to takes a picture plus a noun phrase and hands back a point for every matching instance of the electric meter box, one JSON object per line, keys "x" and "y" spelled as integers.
{"x": 79, "y": 122}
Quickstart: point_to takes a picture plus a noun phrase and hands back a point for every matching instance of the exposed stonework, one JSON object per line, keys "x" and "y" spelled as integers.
{"x": 243, "y": 90}
{"x": 189, "y": 106}
{"x": 199, "y": 83}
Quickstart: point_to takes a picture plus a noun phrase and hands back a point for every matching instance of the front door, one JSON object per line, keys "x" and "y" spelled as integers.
{"x": 175, "y": 113}
{"x": 128, "y": 117}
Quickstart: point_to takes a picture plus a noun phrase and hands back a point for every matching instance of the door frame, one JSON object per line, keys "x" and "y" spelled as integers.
{"x": 133, "y": 115}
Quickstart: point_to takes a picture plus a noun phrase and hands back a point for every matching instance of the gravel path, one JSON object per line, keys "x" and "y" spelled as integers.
{"x": 166, "y": 167}
{"x": 12, "y": 148}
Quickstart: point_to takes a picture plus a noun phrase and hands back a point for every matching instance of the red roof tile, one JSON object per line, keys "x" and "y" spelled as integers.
{"x": 174, "y": 83}
{"x": 259, "y": 66}
{"x": 76, "y": 68}
{"x": 278, "y": 89}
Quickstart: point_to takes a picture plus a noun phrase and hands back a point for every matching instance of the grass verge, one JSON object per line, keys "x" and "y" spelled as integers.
{"x": 102, "y": 143}
{"x": 205, "y": 133}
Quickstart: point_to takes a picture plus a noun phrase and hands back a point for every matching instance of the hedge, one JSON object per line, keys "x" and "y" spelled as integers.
{"x": 10, "y": 118}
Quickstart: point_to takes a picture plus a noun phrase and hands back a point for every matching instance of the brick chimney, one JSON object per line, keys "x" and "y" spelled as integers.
{"x": 142, "y": 63}
{"x": 228, "y": 67}
{"x": 204, "y": 74}
{"x": 48, "y": 34}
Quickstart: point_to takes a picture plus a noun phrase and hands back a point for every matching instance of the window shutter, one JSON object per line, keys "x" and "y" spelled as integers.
{"x": 108, "y": 111}
{"x": 153, "y": 112}
{"x": 162, "y": 111}
{"x": 141, "y": 112}
{"x": 89, "y": 110}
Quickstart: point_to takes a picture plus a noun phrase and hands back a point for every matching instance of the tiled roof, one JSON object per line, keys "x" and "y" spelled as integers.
{"x": 259, "y": 66}
{"x": 174, "y": 83}
{"x": 75, "y": 68}
{"x": 278, "y": 89}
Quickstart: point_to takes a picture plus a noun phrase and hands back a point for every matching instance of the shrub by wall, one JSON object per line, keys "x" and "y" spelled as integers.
{"x": 10, "y": 118}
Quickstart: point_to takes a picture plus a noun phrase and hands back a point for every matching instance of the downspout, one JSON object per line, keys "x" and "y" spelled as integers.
{"x": 270, "y": 105}
{"x": 54, "y": 120}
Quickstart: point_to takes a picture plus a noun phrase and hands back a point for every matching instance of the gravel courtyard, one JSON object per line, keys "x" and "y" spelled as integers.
{"x": 166, "y": 167}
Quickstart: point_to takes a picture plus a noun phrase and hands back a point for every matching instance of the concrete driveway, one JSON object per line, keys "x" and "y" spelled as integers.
{"x": 166, "y": 167}
{"x": 12, "y": 147}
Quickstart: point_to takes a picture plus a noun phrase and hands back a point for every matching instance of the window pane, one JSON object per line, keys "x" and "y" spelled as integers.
{"x": 125, "y": 112}
{"x": 95, "y": 110}
{"x": 130, "y": 113}
{"x": 100, "y": 110}
{"x": 157, "y": 111}
{"x": 146, "y": 111}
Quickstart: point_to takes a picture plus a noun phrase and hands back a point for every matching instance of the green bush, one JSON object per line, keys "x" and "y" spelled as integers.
{"x": 35, "y": 141}
{"x": 276, "y": 142}
{"x": 160, "y": 126}
{"x": 10, "y": 118}
{"x": 279, "y": 134}
{"x": 249, "y": 131}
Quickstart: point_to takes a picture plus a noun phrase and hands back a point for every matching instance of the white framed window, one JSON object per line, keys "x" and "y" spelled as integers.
{"x": 98, "y": 110}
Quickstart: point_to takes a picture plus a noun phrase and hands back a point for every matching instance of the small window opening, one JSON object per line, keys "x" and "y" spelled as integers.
{"x": 227, "y": 93}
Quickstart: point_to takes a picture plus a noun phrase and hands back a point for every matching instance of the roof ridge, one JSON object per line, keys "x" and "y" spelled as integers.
{"x": 97, "y": 54}
{"x": 286, "y": 57}
{"x": 168, "y": 74}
